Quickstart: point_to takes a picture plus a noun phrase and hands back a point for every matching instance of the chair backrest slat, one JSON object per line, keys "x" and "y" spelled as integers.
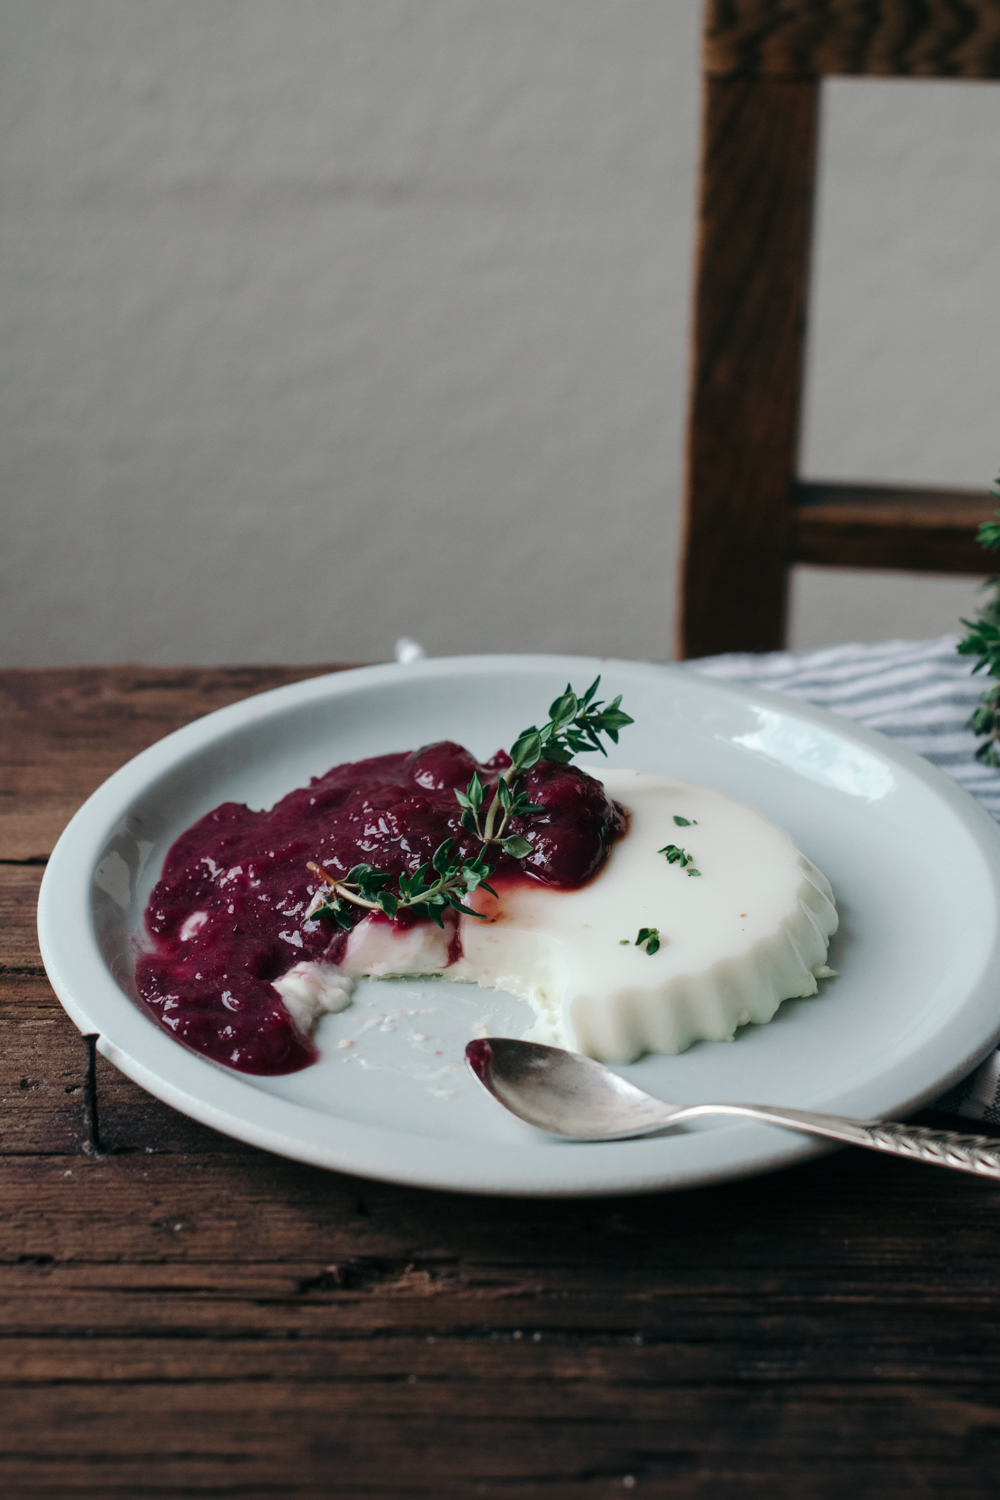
{"x": 875, "y": 38}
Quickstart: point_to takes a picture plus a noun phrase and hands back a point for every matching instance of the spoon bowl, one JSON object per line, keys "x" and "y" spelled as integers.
{"x": 564, "y": 1093}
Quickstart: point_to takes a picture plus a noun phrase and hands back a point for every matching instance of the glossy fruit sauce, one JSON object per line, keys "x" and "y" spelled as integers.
{"x": 228, "y": 915}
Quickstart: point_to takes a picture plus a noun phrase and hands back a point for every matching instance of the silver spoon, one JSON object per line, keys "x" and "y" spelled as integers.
{"x": 569, "y": 1095}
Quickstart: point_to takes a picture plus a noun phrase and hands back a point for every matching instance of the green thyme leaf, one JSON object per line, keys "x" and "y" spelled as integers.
{"x": 685, "y": 822}
{"x": 649, "y": 938}
{"x": 564, "y": 710}
{"x": 441, "y": 859}
{"x": 516, "y": 846}
{"x": 423, "y": 909}
{"x": 677, "y": 856}
{"x": 526, "y": 749}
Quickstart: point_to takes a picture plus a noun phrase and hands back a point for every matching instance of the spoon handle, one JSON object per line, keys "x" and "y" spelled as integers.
{"x": 941, "y": 1148}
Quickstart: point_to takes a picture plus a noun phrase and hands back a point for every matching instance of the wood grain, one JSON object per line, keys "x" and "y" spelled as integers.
{"x": 85, "y": 722}
{"x": 873, "y": 526}
{"x": 796, "y": 39}
{"x": 187, "y": 1316}
{"x": 18, "y": 900}
{"x": 755, "y": 221}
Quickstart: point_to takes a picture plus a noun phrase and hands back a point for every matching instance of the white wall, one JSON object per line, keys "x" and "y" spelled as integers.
{"x": 904, "y": 350}
{"x": 327, "y": 321}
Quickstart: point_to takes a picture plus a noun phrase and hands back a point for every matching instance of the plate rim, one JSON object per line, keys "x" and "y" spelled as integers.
{"x": 358, "y": 1148}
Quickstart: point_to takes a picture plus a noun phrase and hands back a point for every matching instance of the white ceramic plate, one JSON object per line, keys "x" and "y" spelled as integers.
{"x": 915, "y": 864}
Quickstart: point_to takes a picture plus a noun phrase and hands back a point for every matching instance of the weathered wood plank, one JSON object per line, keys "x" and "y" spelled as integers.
{"x": 772, "y": 1352}
{"x": 246, "y": 1423}
{"x": 712, "y": 1333}
{"x": 681, "y": 1476}
{"x": 756, "y": 214}
{"x": 828, "y": 1220}
{"x": 18, "y": 903}
{"x": 42, "y": 1062}
{"x": 813, "y": 38}
{"x": 238, "y": 1435}
{"x": 66, "y": 731}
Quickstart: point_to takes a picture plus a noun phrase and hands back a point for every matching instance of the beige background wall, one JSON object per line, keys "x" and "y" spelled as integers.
{"x": 328, "y": 321}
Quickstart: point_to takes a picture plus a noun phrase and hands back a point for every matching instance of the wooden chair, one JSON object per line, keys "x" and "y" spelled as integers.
{"x": 748, "y": 516}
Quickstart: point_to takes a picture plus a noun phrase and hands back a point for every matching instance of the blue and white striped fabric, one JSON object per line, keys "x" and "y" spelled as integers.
{"x": 920, "y": 694}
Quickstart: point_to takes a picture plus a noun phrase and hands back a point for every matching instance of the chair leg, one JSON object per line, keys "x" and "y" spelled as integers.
{"x": 753, "y": 262}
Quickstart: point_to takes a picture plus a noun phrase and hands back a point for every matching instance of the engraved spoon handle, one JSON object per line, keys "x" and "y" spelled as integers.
{"x": 941, "y": 1148}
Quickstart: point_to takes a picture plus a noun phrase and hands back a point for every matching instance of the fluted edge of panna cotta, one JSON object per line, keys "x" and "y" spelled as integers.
{"x": 711, "y": 1005}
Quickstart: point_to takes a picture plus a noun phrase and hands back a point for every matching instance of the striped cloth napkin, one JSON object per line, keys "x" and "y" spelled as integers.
{"x": 920, "y": 694}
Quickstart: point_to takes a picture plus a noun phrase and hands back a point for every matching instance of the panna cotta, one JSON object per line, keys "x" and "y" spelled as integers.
{"x": 742, "y": 921}
{"x": 647, "y": 913}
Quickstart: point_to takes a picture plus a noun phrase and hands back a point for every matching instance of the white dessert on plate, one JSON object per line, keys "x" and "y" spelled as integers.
{"x": 741, "y": 921}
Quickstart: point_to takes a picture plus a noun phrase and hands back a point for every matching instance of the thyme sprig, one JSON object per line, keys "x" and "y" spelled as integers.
{"x": 574, "y": 724}
{"x": 983, "y": 640}
{"x": 425, "y": 896}
{"x": 507, "y": 802}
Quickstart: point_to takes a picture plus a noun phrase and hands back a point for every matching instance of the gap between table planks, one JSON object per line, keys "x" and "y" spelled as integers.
{"x": 189, "y": 1316}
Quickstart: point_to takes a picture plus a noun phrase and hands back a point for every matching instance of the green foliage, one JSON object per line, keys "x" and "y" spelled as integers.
{"x": 983, "y": 641}
{"x": 574, "y": 724}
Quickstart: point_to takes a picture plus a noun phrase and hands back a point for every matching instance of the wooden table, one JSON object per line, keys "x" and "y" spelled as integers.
{"x": 187, "y": 1316}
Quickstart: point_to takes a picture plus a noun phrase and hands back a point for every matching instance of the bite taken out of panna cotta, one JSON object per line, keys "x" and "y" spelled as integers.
{"x": 738, "y": 921}
{"x": 633, "y": 912}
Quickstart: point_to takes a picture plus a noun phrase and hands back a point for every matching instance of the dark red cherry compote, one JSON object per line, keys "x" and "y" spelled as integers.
{"x": 229, "y": 914}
